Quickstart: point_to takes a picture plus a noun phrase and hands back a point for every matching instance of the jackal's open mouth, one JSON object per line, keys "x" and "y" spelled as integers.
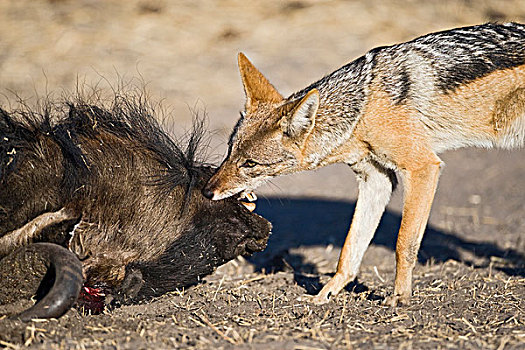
{"x": 248, "y": 200}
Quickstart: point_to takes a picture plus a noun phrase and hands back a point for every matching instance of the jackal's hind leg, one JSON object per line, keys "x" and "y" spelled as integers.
{"x": 376, "y": 184}
{"x": 420, "y": 185}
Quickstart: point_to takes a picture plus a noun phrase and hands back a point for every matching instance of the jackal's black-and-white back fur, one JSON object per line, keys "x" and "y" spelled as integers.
{"x": 418, "y": 71}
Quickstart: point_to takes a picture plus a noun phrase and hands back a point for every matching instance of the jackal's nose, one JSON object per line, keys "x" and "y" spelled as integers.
{"x": 207, "y": 193}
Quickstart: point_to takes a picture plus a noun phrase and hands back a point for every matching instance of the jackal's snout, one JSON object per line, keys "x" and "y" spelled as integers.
{"x": 217, "y": 186}
{"x": 208, "y": 190}
{"x": 227, "y": 181}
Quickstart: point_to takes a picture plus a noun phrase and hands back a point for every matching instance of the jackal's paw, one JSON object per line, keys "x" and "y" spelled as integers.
{"x": 318, "y": 299}
{"x": 397, "y": 300}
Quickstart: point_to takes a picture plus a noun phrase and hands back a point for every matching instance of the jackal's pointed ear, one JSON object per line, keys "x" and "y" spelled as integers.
{"x": 256, "y": 86}
{"x": 299, "y": 116}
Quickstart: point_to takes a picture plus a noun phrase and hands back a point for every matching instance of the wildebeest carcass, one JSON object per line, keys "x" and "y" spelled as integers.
{"x": 117, "y": 203}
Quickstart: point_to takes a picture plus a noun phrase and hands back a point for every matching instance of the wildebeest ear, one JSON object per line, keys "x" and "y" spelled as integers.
{"x": 256, "y": 87}
{"x": 299, "y": 116}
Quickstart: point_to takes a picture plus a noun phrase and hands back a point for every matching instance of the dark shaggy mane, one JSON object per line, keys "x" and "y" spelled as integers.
{"x": 127, "y": 116}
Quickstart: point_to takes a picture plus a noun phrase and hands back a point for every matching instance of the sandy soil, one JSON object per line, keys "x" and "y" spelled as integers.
{"x": 470, "y": 280}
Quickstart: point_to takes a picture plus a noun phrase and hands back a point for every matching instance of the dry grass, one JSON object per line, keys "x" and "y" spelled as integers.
{"x": 455, "y": 306}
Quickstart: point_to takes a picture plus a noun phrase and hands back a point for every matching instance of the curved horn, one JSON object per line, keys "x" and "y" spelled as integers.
{"x": 66, "y": 288}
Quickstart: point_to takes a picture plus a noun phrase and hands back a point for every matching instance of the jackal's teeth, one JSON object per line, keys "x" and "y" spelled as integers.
{"x": 249, "y": 196}
{"x": 249, "y": 206}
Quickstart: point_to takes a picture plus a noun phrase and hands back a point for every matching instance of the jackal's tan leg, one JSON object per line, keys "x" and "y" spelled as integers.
{"x": 26, "y": 233}
{"x": 420, "y": 185}
{"x": 375, "y": 188}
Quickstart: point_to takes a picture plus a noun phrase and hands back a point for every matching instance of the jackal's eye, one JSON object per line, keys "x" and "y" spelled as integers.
{"x": 249, "y": 164}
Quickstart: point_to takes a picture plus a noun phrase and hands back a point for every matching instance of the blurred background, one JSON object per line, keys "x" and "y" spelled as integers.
{"x": 185, "y": 52}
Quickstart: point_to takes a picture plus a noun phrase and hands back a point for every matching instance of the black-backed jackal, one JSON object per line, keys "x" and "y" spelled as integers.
{"x": 393, "y": 109}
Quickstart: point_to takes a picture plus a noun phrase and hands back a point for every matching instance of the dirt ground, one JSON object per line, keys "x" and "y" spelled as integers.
{"x": 470, "y": 280}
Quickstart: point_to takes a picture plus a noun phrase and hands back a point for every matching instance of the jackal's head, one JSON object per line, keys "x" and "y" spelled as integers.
{"x": 269, "y": 138}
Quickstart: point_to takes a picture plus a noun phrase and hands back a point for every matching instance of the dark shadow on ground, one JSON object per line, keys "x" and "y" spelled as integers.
{"x": 317, "y": 222}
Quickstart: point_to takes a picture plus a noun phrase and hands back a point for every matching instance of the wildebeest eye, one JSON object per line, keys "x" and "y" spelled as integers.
{"x": 249, "y": 164}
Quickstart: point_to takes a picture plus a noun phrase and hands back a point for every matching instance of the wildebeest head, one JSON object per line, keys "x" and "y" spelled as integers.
{"x": 118, "y": 192}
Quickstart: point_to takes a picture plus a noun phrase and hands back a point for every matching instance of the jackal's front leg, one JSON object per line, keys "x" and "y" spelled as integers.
{"x": 375, "y": 187}
{"x": 420, "y": 185}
